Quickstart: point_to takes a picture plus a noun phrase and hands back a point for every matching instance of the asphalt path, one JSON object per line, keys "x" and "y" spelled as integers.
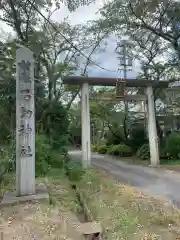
{"x": 155, "y": 181}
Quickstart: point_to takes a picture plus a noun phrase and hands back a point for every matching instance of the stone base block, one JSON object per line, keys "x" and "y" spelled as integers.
{"x": 10, "y": 198}
{"x": 89, "y": 228}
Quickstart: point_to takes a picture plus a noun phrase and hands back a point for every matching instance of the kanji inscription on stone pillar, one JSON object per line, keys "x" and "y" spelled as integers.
{"x": 25, "y": 123}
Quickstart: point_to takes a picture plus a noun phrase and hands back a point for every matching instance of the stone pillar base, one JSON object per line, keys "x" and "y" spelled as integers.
{"x": 10, "y": 198}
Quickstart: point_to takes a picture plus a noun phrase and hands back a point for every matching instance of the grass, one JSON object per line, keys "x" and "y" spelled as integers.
{"x": 7, "y": 184}
{"x": 170, "y": 162}
{"x": 126, "y": 212}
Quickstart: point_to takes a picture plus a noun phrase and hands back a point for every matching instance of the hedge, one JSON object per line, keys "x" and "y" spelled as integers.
{"x": 121, "y": 150}
{"x": 102, "y": 149}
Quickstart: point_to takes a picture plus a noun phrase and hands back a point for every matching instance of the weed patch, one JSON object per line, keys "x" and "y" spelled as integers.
{"x": 126, "y": 212}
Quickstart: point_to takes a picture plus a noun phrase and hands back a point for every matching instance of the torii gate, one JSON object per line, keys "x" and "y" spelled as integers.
{"x": 148, "y": 85}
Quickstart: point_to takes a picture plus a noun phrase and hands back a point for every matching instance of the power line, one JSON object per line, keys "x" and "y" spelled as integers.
{"x": 72, "y": 45}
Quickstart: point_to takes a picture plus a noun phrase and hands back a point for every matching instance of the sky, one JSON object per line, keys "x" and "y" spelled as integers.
{"x": 106, "y": 59}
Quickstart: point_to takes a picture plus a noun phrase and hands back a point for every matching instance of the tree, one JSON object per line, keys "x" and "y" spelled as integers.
{"x": 160, "y": 19}
{"x": 74, "y": 4}
{"x": 55, "y": 50}
{"x": 74, "y": 129}
{"x": 107, "y": 117}
{"x": 21, "y": 16}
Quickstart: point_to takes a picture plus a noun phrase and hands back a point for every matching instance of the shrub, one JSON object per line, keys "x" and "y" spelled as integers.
{"x": 102, "y": 149}
{"x": 164, "y": 154}
{"x": 94, "y": 148}
{"x": 7, "y": 159}
{"x": 55, "y": 123}
{"x": 75, "y": 171}
{"x": 125, "y": 151}
{"x": 121, "y": 150}
{"x": 47, "y": 157}
{"x": 113, "y": 150}
{"x": 138, "y": 137}
{"x": 115, "y": 139}
{"x": 57, "y": 160}
{"x": 43, "y": 150}
{"x": 173, "y": 145}
{"x": 143, "y": 153}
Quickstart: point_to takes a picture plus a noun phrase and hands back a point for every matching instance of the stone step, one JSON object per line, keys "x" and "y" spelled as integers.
{"x": 89, "y": 228}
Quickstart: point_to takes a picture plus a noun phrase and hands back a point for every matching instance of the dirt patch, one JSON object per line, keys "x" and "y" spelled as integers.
{"x": 57, "y": 220}
{"x": 37, "y": 221}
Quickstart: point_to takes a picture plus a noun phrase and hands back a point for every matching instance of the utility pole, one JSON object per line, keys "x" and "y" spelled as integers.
{"x": 124, "y": 65}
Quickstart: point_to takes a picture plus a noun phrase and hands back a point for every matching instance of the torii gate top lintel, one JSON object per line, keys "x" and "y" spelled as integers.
{"x": 101, "y": 81}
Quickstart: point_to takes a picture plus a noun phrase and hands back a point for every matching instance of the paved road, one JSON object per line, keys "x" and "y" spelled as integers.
{"x": 158, "y": 182}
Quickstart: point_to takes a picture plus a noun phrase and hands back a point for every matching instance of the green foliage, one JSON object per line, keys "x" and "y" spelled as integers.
{"x": 170, "y": 151}
{"x": 163, "y": 154}
{"x": 102, "y": 149}
{"x": 115, "y": 137}
{"x": 173, "y": 145}
{"x": 74, "y": 129}
{"x": 113, "y": 150}
{"x": 121, "y": 150}
{"x": 54, "y": 123}
{"x": 143, "y": 153}
{"x": 47, "y": 157}
{"x": 7, "y": 159}
{"x": 75, "y": 171}
{"x": 138, "y": 137}
{"x": 73, "y": 5}
{"x": 43, "y": 150}
{"x": 94, "y": 148}
{"x": 56, "y": 159}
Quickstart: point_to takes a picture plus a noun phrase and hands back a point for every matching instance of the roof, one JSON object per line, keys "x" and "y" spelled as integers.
{"x": 99, "y": 81}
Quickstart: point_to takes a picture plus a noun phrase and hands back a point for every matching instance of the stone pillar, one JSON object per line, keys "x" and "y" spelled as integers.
{"x": 152, "y": 130}
{"x": 85, "y": 121}
{"x": 25, "y": 123}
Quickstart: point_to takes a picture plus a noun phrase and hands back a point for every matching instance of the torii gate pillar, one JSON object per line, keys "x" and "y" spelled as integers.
{"x": 85, "y": 121}
{"x": 152, "y": 129}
